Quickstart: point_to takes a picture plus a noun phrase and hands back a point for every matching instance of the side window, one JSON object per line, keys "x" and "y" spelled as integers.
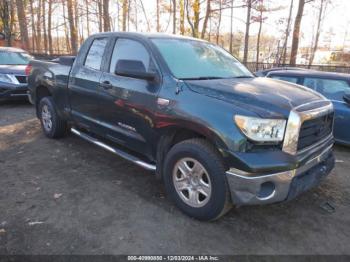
{"x": 126, "y": 49}
{"x": 311, "y": 82}
{"x": 286, "y": 78}
{"x": 94, "y": 57}
{"x": 331, "y": 88}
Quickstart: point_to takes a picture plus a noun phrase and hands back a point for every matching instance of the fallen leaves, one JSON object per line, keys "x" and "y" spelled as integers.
{"x": 57, "y": 195}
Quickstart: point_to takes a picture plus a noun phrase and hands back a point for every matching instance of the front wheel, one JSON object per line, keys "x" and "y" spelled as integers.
{"x": 194, "y": 177}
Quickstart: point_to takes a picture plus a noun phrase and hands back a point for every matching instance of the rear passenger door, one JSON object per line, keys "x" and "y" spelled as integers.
{"x": 334, "y": 90}
{"x": 128, "y": 104}
{"x": 84, "y": 84}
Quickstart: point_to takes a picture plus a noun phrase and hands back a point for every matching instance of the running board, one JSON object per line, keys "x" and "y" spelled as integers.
{"x": 116, "y": 151}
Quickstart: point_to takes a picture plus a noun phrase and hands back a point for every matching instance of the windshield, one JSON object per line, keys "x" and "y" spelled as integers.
{"x": 14, "y": 58}
{"x": 190, "y": 59}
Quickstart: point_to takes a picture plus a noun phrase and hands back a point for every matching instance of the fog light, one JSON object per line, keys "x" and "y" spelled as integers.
{"x": 267, "y": 190}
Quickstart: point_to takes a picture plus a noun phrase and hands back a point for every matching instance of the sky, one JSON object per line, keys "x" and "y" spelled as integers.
{"x": 337, "y": 19}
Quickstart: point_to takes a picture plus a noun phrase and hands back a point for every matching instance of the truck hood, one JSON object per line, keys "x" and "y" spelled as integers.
{"x": 13, "y": 69}
{"x": 263, "y": 96}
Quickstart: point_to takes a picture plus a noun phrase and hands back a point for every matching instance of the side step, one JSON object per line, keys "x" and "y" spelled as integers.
{"x": 116, "y": 151}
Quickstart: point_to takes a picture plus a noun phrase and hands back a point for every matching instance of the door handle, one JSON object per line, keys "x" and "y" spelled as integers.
{"x": 106, "y": 85}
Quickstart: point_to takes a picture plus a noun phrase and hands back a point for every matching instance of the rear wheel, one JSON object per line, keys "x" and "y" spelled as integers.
{"x": 52, "y": 124}
{"x": 194, "y": 177}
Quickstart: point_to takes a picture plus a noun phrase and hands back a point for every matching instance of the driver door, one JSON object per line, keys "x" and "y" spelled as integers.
{"x": 127, "y": 103}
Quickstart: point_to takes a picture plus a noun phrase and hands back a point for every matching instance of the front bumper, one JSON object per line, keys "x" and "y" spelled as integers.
{"x": 250, "y": 189}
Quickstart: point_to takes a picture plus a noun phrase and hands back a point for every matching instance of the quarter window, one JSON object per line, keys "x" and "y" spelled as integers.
{"x": 95, "y": 54}
{"x": 126, "y": 49}
{"x": 331, "y": 88}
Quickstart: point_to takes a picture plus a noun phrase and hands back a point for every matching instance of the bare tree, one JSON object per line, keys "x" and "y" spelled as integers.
{"x": 38, "y": 26}
{"x": 174, "y": 16}
{"x": 247, "y": 27}
{"x": 43, "y": 6}
{"x": 22, "y": 23}
{"x": 296, "y": 31}
{"x": 182, "y": 17}
{"x": 32, "y": 24}
{"x": 284, "y": 49}
{"x": 5, "y": 17}
{"x": 193, "y": 20}
{"x": 231, "y": 27}
{"x": 106, "y": 20}
{"x": 49, "y": 27}
{"x": 72, "y": 27}
{"x": 158, "y": 16}
{"x": 206, "y": 18}
{"x": 321, "y": 15}
{"x": 125, "y": 6}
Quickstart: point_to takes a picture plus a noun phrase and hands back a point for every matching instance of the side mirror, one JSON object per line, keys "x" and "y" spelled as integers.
{"x": 346, "y": 98}
{"x": 134, "y": 69}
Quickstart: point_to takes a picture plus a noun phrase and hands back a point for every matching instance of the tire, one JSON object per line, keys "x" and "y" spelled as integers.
{"x": 210, "y": 194}
{"x": 47, "y": 112}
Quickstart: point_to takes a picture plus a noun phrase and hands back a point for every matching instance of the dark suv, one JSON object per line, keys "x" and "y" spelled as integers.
{"x": 189, "y": 111}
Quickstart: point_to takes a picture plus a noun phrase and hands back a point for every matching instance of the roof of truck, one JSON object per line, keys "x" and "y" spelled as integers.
{"x": 149, "y": 35}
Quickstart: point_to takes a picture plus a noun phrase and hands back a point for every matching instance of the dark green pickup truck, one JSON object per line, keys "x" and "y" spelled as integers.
{"x": 215, "y": 134}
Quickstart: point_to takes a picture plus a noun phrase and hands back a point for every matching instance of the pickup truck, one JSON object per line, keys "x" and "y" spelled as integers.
{"x": 186, "y": 109}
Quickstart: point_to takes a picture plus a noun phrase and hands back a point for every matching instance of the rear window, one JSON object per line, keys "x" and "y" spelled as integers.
{"x": 94, "y": 57}
{"x": 14, "y": 58}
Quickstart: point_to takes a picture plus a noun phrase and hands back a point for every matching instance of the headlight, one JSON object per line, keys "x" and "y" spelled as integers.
{"x": 5, "y": 78}
{"x": 260, "y": 129}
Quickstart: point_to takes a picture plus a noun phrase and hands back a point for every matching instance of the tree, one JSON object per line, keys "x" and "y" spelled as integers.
{"x": 206, "y": 19}
{"x": 247, "y": 27}
{"x": 296, "y": 31}
{"x": 194, "y": 20}
{"x": 72, "y": 27}
{"x": 321, "y": 14}
{"x": 49, "y": 29}
{"x": 22, "y": 21}
{"x": 125, "y": 6}
{"x": 182, "y": 17}
{"x": 231, "y": 27}
{"x": 284, "y": 49}
{"x": 174, "y": 16}
{"x": 106, "y": 20}
{"x": 158, "y": 11}
{"x": 5, "y": 18}
{"x": 261, "y": 7}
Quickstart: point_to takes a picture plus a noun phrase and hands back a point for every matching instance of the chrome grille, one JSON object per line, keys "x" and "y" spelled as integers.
{"x": 313, "y": 130}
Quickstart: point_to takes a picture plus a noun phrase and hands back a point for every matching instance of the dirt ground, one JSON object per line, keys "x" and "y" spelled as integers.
{"x": 69, "y": 197}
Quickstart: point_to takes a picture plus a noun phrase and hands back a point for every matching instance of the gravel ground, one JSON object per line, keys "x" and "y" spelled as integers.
{"x": 69, "y": 197}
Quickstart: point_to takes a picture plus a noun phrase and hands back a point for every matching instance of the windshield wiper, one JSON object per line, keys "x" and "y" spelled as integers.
{"x": 243, "y": 76}
{"x": 202, "y": 78}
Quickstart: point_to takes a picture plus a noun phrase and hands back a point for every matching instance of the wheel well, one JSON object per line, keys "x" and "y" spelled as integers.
{"x": 184, "y": 134}
{"x": 168, "y": 140}
{"x": 41, "y": 91}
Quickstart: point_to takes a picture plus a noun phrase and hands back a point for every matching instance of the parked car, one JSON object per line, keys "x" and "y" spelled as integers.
{"x": 334, "y": 86}
{"x": 264, "y": 72}
{"x": 189, "y": 111}
{"x": 13, "y": 79}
